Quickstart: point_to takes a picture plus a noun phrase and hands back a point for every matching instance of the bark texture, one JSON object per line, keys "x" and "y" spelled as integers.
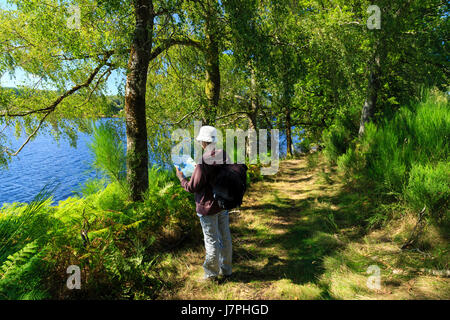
{"x": 136, "y": 127}
{"x": 370, "y": 102}
{"x": 212, "y": 76}
{"x": 288, "y": 132}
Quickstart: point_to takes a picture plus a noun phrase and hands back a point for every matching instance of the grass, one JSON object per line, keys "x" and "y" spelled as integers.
{"x": 299, "y": 235}
{"x": 404, "y": 157}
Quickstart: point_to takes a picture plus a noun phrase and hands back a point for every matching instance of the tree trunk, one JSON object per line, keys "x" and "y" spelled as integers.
{"x": 288, "y": 133}
{"x": 252, "y": 140}
{"x": 254, "y": 100}
{"x": 212, "y": 87}
{"x": 370, "y": 103}
{"x": 286, "y": 100}
{"x": 135, "y": 117}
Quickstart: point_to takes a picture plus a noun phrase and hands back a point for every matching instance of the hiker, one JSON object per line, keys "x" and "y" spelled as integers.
{"x": 214, "y": 220}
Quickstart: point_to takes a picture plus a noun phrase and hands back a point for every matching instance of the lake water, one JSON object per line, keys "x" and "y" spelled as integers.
{"x": 44, "y": 161}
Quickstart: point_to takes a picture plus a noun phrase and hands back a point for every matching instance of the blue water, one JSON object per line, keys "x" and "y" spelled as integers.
{"x": 44, "y": 161}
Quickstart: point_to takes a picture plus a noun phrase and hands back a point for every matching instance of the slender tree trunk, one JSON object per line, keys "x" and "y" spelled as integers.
{"x": 136, "y": 127}
{"x": 254, "y": 101}
{"x": 370, "y": 103}
{"x": 252, "y": 115}
{"x": 288, "y": 133}
{"x": 212, "y": 87}
{"x": 286, "y": 100}
{"x": 251, "y": 143}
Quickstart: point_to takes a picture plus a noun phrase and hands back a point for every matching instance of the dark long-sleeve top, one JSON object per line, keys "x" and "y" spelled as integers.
{"x": 201, "y": 183}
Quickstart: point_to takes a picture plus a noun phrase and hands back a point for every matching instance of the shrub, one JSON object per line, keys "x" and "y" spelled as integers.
{"x": 384, "y": 157}
{"x": 254, "y": 173}
{"x": 24, "y": 232}
{"x": 337, "y": 139}
{"x": 312, "y": 160}
{"x": 346, "y": 163}
{"x": 305, "y": 145}
{"x": 110, "y": 198}
{"x": 21, "y": 274}
{"x": 429, "y": 186}
{"x": 90, "y": 187}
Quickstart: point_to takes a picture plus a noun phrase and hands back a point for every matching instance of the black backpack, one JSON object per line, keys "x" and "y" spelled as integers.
{"x": 230, "y": 185}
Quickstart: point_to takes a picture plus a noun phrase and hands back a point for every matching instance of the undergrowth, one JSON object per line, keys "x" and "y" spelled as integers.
{"x": 116, "y": 243}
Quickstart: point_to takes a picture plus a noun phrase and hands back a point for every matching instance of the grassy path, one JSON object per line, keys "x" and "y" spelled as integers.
{"x": 299, "y": 235}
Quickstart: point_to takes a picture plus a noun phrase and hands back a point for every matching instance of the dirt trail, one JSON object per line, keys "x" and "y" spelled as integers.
{"x": 296, "y": 236}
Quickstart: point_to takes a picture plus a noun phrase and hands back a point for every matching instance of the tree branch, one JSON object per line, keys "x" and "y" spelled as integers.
{"x": 54, "y": 105}
{"x": 232, "y": 114}
{"x": 74, "y": 89}
{"x": 169, "y": 43}
{"x": 29, "y": 137}
{"x": 184, "y": 117}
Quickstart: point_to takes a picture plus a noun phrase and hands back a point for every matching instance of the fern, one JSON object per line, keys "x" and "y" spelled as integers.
{"x": 23, "y": 221}
{"x": 18, "y": 259}
{"x": 34, "y": 295}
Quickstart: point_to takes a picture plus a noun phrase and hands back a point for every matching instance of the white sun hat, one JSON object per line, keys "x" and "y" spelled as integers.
{"x": 207, "y": 134}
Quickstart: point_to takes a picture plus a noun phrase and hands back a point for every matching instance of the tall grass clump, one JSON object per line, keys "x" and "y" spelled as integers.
{"x": 337, "y": 139}
{"x": 406, "y": 156}
{"x": 429, "y": 186}
{"x": 108, "y": 151}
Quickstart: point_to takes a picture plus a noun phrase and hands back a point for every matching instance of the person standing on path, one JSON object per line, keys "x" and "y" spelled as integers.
{"x": 213, "y": 219}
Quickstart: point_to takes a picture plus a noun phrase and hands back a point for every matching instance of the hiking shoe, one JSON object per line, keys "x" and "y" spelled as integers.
{"x": 224, "y": 278}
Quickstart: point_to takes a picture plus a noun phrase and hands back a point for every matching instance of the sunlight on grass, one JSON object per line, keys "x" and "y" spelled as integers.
{"x": 312, "y": 245}
{"x": 286, "y": 290}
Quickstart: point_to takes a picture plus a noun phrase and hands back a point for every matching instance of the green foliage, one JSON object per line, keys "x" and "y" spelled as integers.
{"x": 337, "y": 139}
{"x": 254, "y": 173}
{"x": 3, "y": 155}
{"x": 312, "y": 160}
{"x": 20, "y": 275}
{"x": 406, "y": 156}
{"x": 18, "y": 258}
{"x": 110, "y": 198}
{"x": 118, "y": 255}
{"x": 347, "y": 162}
{"x": 20, "y": 223}
{"x": 429, "y": 185}
{"x": 109, "y": 152}
{"x": 166, "y": 201}
{"x": 24, "y": 230}
{"x": 306, "y": 61}
{"x": 90, "y": 187}
{"x": 326, "y": 176}
{"x": 305, "y": 144}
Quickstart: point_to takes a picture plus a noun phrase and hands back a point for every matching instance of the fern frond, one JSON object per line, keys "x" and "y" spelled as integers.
{"x": 19, "y": 258}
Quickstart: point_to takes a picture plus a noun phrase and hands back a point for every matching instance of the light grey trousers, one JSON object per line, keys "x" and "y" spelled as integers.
{"x": 217, "y": 236}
